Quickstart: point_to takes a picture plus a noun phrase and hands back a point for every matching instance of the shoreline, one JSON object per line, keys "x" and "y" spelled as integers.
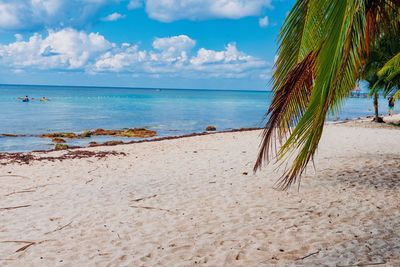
{"x": 366, "y": 119}
{"x": 80, "y": 152}
{"x": 155, "y": 139}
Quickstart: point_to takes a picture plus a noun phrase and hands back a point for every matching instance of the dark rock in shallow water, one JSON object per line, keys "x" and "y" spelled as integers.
{"x": 59, "y": 135}
{"x": 112, "y": 143}
{"x": 138, "y": 133}
{"x": 58, "y": 140}
{"x": 134, "y": 132}
{"x": 9, "y": 135}
{"x": 103, "y": 132}
{"x": 61, "y": 147}
{"x": 92, "y": 144}
{"x": 211, "y": 128}
{"x": 86, "y": 134}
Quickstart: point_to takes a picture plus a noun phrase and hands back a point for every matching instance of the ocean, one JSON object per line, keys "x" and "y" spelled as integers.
{"x": 168, "y": 111}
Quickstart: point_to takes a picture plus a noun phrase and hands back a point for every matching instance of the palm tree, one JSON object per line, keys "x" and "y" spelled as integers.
{"x": 323, "y": 44}
{"x": 385, "y": 48}
{"x": 390, "y": 76}
{"x": 369, "y": 74}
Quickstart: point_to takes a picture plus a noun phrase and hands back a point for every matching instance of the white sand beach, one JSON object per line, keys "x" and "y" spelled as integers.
{"x": 196, "y": 202}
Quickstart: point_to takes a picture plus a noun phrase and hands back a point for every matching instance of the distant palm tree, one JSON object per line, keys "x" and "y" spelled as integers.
{"x": 323, "y": 44}
{"x": 370, "y": 75}
{"x": 385, "y": 48}
{"x": 390, "y": 76}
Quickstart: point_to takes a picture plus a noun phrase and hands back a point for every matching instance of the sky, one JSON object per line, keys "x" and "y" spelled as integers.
{"x": 205, "y": 44}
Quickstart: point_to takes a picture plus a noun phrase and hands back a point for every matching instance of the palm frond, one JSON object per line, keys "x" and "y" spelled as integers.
{"x": 323, "y": 44}
{"x": 287, "y": 107}
{"x": 293, "y": 78}
{"x": 337, "y": 67}
{"x": 391, "y": 68}
{"x": 389, "y": 76}
{"x": 397, "y": 94}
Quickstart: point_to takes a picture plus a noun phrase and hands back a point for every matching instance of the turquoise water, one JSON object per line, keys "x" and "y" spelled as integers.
{"x": 167, "y": 111}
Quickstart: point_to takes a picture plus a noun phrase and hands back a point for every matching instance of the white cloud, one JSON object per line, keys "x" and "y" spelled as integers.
{"x": 180, "y": 42}
{"x": 230, "y": 54}
{"x": 34, "y": 14}
{"x": 69, "y": 49}
{"x": 113, "y": 17}
{"x": 228, "y": 63}
{"x": 18, "y": 37}
{"x": 126, "y": 58}
{"x": 66, "y": 49}
{"x": 172, "y": 57}
{"x": 172, "y": 49}
{"x": 134, "y": 4}
{"x": 264, "y": 22}
{"x": 8, "y": 16}
{"x": 39, "y": 14}
{"x": 168, "y": 55}
{"x": 172, "y": 10}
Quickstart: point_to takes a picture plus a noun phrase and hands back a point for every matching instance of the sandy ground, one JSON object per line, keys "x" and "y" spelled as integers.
{"x": 189, "y": 202}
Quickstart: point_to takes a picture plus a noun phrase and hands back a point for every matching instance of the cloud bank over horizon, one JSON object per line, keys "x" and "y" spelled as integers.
{"x": 72, "y": 50}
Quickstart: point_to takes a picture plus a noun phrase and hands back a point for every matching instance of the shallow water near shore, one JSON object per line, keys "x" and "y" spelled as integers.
{"x": 167, "y": 111}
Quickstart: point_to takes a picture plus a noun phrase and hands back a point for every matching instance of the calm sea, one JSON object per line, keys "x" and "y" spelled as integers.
{"x": 168, "y": 111}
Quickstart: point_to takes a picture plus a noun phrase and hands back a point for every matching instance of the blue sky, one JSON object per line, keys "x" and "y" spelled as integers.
{"x": 213, "y": 44}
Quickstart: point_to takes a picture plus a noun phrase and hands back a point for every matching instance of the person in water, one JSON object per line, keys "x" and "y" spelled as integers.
{"x": 391, "y": 106}
{"x": 44, "y": 99}
{"x": 26, "y": 99}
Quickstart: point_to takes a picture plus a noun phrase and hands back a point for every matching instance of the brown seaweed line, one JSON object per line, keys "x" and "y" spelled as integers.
{"x": 140, "y": 141}
{"x": 78, "y": 154}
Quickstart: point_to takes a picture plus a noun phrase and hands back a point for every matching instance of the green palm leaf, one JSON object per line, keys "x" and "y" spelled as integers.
{"x": 391, "y": 69}
{"x": 389, "y": 75}
{"x": 341, "y": 32}
{"x": 293, "y": 78}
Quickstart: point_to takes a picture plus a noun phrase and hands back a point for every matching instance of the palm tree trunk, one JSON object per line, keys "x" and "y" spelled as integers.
{"x": 376, "y": 108}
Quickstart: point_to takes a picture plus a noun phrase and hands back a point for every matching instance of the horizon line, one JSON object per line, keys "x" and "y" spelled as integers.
{"x": 127, "y": 87}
